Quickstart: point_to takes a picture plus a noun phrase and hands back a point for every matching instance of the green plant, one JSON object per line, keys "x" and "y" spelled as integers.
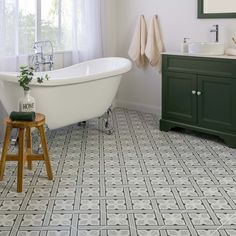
{"x": 26, "y": 76}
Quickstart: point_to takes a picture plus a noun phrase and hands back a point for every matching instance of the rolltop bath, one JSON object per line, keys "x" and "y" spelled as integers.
{"x": 73, "y": 94}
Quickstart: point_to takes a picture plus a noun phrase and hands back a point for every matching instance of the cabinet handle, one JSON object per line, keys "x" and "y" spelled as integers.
{"x": 194, "y": 92}
{"x": 199, "y": 93}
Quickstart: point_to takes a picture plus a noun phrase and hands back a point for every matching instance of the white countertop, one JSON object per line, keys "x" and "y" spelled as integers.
{"x": 195, "y": 55}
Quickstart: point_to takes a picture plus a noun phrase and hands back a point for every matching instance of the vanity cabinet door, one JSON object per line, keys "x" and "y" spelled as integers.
{"x": 179, "y": 96}
{"x": 217, "y": 103}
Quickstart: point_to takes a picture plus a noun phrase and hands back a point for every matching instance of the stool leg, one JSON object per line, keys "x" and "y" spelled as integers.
{"x": 29, "y": 146}
{"x": 20, "y": 172}
{"x": 45, "y": 152}
{"x": 4, "y": 151}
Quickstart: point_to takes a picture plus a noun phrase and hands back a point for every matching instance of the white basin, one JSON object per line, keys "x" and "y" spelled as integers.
{"x": 206, "y": 48}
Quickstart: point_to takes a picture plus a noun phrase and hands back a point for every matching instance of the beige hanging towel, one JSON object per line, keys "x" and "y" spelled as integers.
{"x": 155, "y": 45}
{"x": 138, "y": 44}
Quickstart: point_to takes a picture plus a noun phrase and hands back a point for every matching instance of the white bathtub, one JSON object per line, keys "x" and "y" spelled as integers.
{"x": 72, "y": 94}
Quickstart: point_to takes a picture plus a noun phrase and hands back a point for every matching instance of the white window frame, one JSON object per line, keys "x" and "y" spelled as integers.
{"x": 37, "y": 24}
{"x": 38, "y": 20}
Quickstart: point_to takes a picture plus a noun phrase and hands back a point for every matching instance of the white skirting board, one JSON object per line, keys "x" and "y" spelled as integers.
{"x": 138, "y": 107}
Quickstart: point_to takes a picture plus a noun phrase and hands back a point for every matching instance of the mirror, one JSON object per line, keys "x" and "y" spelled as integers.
{"x": 216, "y": 8}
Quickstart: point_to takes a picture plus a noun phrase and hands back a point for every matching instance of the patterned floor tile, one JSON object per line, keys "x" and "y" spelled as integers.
{"x": 58, "y": 233}
{"x": 66, "y": 192}
{"x": 116, "y": 204}
{"x": 201, "y": 219}
{"x": 28, "y": 233}
{"x": 118, "y": 233}
{"x": 4, "y": 233}
{"x": 90, "y": 192}
{"x": 64, "y": 205}
{"x": 148, "y": 232}
{"x": 117, "y": 219}
{"x": 145, "y": 219}
{"x": 163, "y": 192}
{"x": 61, "y": 219}
{"x": 32, "y": 220}
{"x": 37, "y": 205}
{"x": 173, "y": 219}
{"x": 227, "y": 218}
{"x": 89, "y": 205}
{"x": 141, "y": 204}
{"x": 193, "y": 204}
{"x": 231, "y": 191}
{"x": 41, "y": 192}
{"x": 9, "y": 205}
{"x": 208, "y": 233}
{"x": 89, "y": 233}
{"x": 231, "y": 232}
{"x": 138, "y": 192}
{"x": 138, "y": 181}
{"x": 211, "y": 192}
{"x": 7, "y": 220}
{"x": 89, "y": 219}
{"x": 178, "y": 233}
{"x": 115, "y": 192}
{"x": 219, "y": 204}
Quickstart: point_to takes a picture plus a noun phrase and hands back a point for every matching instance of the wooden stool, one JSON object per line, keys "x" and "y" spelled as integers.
{"x": 25, "y": 155}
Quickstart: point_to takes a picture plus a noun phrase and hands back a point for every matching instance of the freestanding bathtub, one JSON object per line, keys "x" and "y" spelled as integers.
{"x": 72, "y": 94}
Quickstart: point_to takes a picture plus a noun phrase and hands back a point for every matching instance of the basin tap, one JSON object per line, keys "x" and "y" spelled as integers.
{"x": 216, "y": 31}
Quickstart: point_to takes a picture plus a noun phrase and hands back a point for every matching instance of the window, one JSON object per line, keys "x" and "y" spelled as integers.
{"x": 71, "y": 25}
{"x": 56, "y": 23}
{"x": 24, "y": 22}
{"x": 26, "y": 27}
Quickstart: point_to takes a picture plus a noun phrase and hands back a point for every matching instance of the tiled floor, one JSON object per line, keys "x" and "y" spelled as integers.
{"x": 138, "y": 181}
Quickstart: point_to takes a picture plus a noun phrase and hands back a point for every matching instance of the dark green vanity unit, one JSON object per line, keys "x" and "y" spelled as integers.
{"x": 199, "y": 93}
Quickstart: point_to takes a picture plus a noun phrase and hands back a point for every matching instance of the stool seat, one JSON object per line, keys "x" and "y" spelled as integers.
{"x": 25, "y": 154}
{"x": 39, "y": 120}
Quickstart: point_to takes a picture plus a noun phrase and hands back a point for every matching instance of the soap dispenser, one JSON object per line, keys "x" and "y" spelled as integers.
{"x": 184, "y": 46}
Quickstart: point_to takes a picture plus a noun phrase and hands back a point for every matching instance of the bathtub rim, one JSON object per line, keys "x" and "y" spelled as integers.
{"x": 125, "y": 66}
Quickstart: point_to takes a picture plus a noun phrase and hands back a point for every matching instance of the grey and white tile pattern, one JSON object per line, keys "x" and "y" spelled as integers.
{"x": 138, "y": 181}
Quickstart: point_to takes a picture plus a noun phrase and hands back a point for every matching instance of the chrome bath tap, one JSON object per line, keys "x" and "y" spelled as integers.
{"x": 216, "y": 31}
{"x": 43, "y": 55}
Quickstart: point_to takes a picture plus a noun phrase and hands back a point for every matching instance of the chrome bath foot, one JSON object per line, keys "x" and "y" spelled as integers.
{"x": 82, "y": 123}
{"x": 106, "y": 122}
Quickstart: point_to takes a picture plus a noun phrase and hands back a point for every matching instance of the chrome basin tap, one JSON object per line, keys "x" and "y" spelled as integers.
{"x": 216, "y": 31}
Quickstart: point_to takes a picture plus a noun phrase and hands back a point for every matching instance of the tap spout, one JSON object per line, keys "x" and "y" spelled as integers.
{"x": 216, "y": 31}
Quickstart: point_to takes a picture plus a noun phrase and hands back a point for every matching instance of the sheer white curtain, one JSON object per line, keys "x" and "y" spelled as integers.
{"x": 11, "y": 36}
{"x": 87, "y": 30}
{"x": 18, "y": 30}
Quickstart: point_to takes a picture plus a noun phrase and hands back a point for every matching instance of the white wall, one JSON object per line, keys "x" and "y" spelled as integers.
{"x": 109, "y": 26}
{"x": 141, "y": 89}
